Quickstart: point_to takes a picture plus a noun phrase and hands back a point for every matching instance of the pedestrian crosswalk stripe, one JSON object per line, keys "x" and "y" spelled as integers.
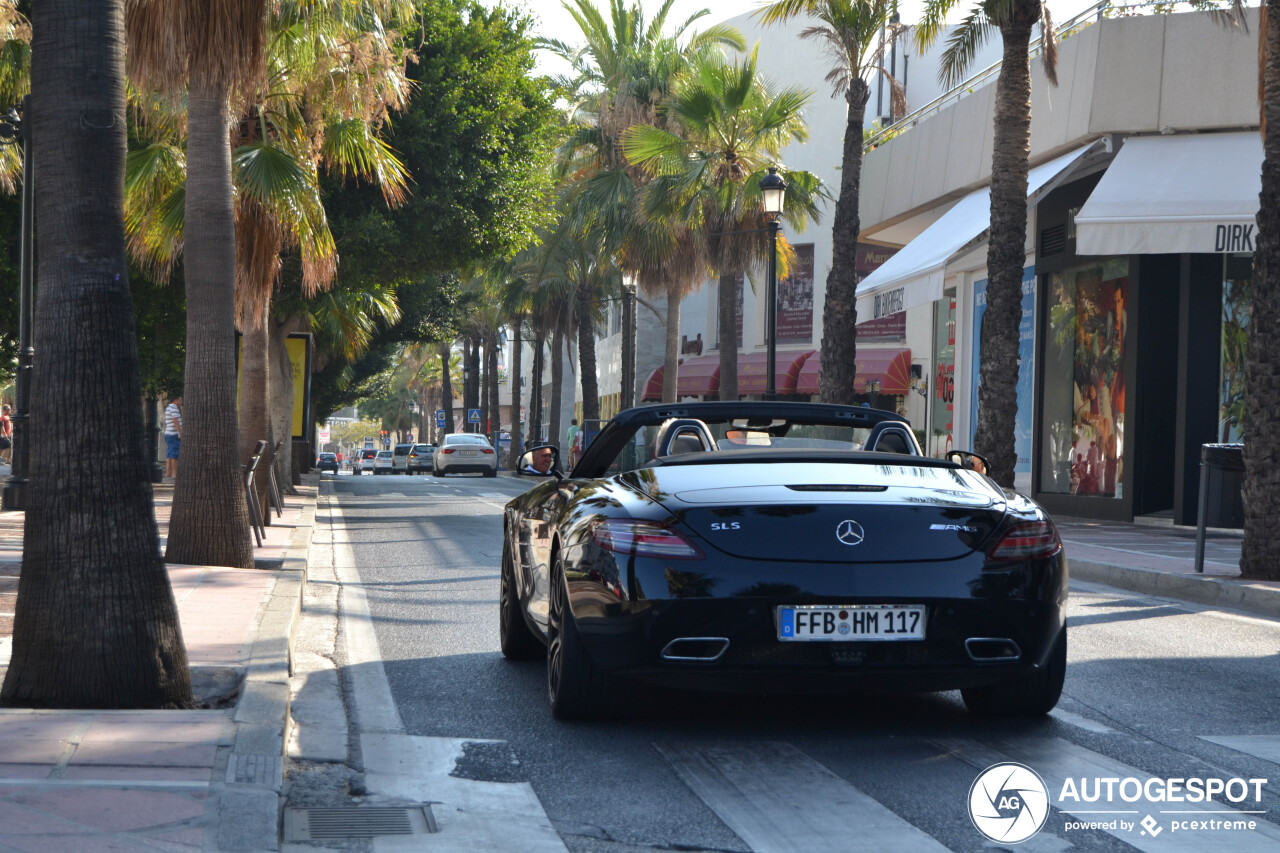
{"x": 1056, "y": 760}
{"x": 777, "y": 800}
{"x": 1266, "y": 747}
{"x": 1081, "y": 722}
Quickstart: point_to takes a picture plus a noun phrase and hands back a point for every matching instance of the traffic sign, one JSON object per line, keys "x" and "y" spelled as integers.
{"x": 473, "y": 416}
{"x": 439, "y": 418}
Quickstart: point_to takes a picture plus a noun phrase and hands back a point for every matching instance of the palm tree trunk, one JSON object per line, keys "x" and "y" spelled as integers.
{"x": 482, "y": 381}
{"x": 838, "y": 368}
{"x": 557, "y": 392}
{"x": 671, "y": 364}
{"x": 587, "y": 357}
{"x": 516, "y": 426}
{"x": 1260, "y": 552}
{"x": 280, "y": 399}
{"x": 254, "y": 394}
{"x": 728, "y": 298}
{"x": 1006, "y": 254}
{"x": 446, "y": 389}
{"x": 209, "y": 525}
{"x": 95, "y": 624}
{"x": 535, "y": 402}
{"x": 491, "y": 380}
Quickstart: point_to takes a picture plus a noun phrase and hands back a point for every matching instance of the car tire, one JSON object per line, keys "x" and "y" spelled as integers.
{"x": 491, "y": 473}
{"x": 576, "y": 687}
{"x": 436, "y": 472}
{"x": 1032, "y": 694}
{"x": 516, "y": 638}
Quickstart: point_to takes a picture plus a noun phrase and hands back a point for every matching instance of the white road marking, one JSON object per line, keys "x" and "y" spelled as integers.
{"x": 6, "y": 650}
{"x": 1057, "y": 760}
{"x": 778, "y": 800}
{"x": 373, "y": 708}
{"x": 1266, "y": 747}
{"x": 475, "y": 816}
{"x": 1081, "y": 722}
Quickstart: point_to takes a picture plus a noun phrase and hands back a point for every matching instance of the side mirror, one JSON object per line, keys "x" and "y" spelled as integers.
{"x": 538, "y": 462}
{"x": 970, "y": 460}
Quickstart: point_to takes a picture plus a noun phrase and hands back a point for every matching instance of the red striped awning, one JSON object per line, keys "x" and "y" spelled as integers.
{"x": 653, "y": 387}
{"x": 699, "y": 377}
{"x": 752, "y": 376}
{"x": 891, "y": 366}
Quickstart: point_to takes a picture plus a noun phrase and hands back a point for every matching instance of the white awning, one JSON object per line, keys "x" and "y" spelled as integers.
{"x": 1175, "y": 194}
{"x": 914, "y": 275}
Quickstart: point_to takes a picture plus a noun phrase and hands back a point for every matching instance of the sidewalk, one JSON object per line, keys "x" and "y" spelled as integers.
{"x": 1160, "y": 560}
{"x": 168, "y": 780}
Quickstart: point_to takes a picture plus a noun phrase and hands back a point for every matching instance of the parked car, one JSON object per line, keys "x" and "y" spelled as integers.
{"x": 464, "y": 452}
{"x": 384, "y": 463}
{"x": 362, "y": 460}
{"x": 784, "y": 547}
{"x": 420, "y": 458}
{"x": 328, "y": 462}
{"x": 400, "y": 456}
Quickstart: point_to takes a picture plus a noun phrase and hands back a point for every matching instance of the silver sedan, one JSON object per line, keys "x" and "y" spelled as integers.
{"x": 461, "y": 453}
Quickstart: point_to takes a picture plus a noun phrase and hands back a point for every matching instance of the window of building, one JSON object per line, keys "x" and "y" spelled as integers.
{"x": 1084, "y": 381}
{"x": 1237, "y": 278}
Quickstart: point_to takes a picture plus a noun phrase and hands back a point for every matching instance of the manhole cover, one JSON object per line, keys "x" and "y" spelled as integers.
{"x": 325, "y": 824}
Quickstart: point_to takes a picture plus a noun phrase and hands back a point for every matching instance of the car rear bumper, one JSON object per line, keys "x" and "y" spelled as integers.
{"x": 467, "y": 467}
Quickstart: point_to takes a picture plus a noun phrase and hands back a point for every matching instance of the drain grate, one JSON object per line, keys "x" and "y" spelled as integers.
{"x": 330, "y": 824}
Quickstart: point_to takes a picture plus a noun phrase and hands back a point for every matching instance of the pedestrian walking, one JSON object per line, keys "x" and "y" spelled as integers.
{"x": 172, "y": 435}
{"x": 570, "y": 437}
{"x": 6, "y": 436}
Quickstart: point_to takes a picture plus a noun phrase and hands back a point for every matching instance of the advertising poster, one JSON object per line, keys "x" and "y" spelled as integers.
{"x": 1026, "y": 370}
{"x": 870, "y": 257}
{"x": 795, "y": 299}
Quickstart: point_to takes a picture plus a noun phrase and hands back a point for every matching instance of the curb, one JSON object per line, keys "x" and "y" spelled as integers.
{"x": 249, "y": 798}
{"x": 1254, "y": 597}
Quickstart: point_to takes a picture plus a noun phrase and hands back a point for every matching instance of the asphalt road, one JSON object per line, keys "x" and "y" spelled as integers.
{"x": 1155, "y": 688}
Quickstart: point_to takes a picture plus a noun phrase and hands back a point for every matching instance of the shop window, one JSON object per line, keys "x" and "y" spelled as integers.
{"x": 941, "y": 413}
{"x": 1084, "y": 381}
{"x": 1237, "y": 278}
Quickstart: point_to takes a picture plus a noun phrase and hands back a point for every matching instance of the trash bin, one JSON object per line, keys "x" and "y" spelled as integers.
{"x": 1221, "y": 478}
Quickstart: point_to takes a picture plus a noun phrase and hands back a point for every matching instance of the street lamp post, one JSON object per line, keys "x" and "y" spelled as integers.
{"x": 16, "y": 495}
{"x": 772, "y": 190}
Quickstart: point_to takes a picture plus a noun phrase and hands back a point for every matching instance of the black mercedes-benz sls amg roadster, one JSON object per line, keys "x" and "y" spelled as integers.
{"x": 782, "y": 548}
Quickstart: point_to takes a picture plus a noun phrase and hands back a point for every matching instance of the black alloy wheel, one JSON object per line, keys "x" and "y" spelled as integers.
{"x": 1032, "y": 694}
{"x": 576, "y": 687}
{"x": 517, "y": 640}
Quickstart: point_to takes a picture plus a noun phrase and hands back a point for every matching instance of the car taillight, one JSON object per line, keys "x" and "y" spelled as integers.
{"x": 486, "y": 450}
{"x": 447, "y": 450}
{"x": 643, "y": 539}
{"x": 1027, "y": 541}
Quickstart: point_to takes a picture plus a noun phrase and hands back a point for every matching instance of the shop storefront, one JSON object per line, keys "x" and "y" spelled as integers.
{"x": 1141, "y": 340}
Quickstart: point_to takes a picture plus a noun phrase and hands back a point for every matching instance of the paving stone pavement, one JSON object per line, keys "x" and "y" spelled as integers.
{"x": 167, "y": 780}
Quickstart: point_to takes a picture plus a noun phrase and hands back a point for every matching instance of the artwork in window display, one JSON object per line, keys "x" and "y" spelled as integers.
{"x": 1237, "y": 279}
{"x": 1022, "y": 423}
{"x": 795, "y": 298}
{"x": 1085, "y": 395}
{"x": 942, "y": 412}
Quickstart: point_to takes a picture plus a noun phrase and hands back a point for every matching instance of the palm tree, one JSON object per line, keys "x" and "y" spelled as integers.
{"x": 848, "y": 30}
{"x": 95, "y": 623}
{"x": 1260, "y": 553}
{"x": 208, "y": 49}
{"x": 1006, "y": 254}
{"x": 730, "y": 129}
{"x": 623, "y": 75}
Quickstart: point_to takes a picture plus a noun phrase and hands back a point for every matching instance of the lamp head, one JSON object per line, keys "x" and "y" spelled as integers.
{"x": 772, "y": 191}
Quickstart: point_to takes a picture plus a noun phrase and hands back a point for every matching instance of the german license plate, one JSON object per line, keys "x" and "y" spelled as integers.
{"x": 849, "y": 623}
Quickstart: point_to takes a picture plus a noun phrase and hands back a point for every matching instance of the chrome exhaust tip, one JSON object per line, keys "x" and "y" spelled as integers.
{"x": 992, "y": 649}
{"x": 696, "y": 649}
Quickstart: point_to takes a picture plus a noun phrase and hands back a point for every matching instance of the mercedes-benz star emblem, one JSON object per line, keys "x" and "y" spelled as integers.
{"x": 849, "y": 532}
